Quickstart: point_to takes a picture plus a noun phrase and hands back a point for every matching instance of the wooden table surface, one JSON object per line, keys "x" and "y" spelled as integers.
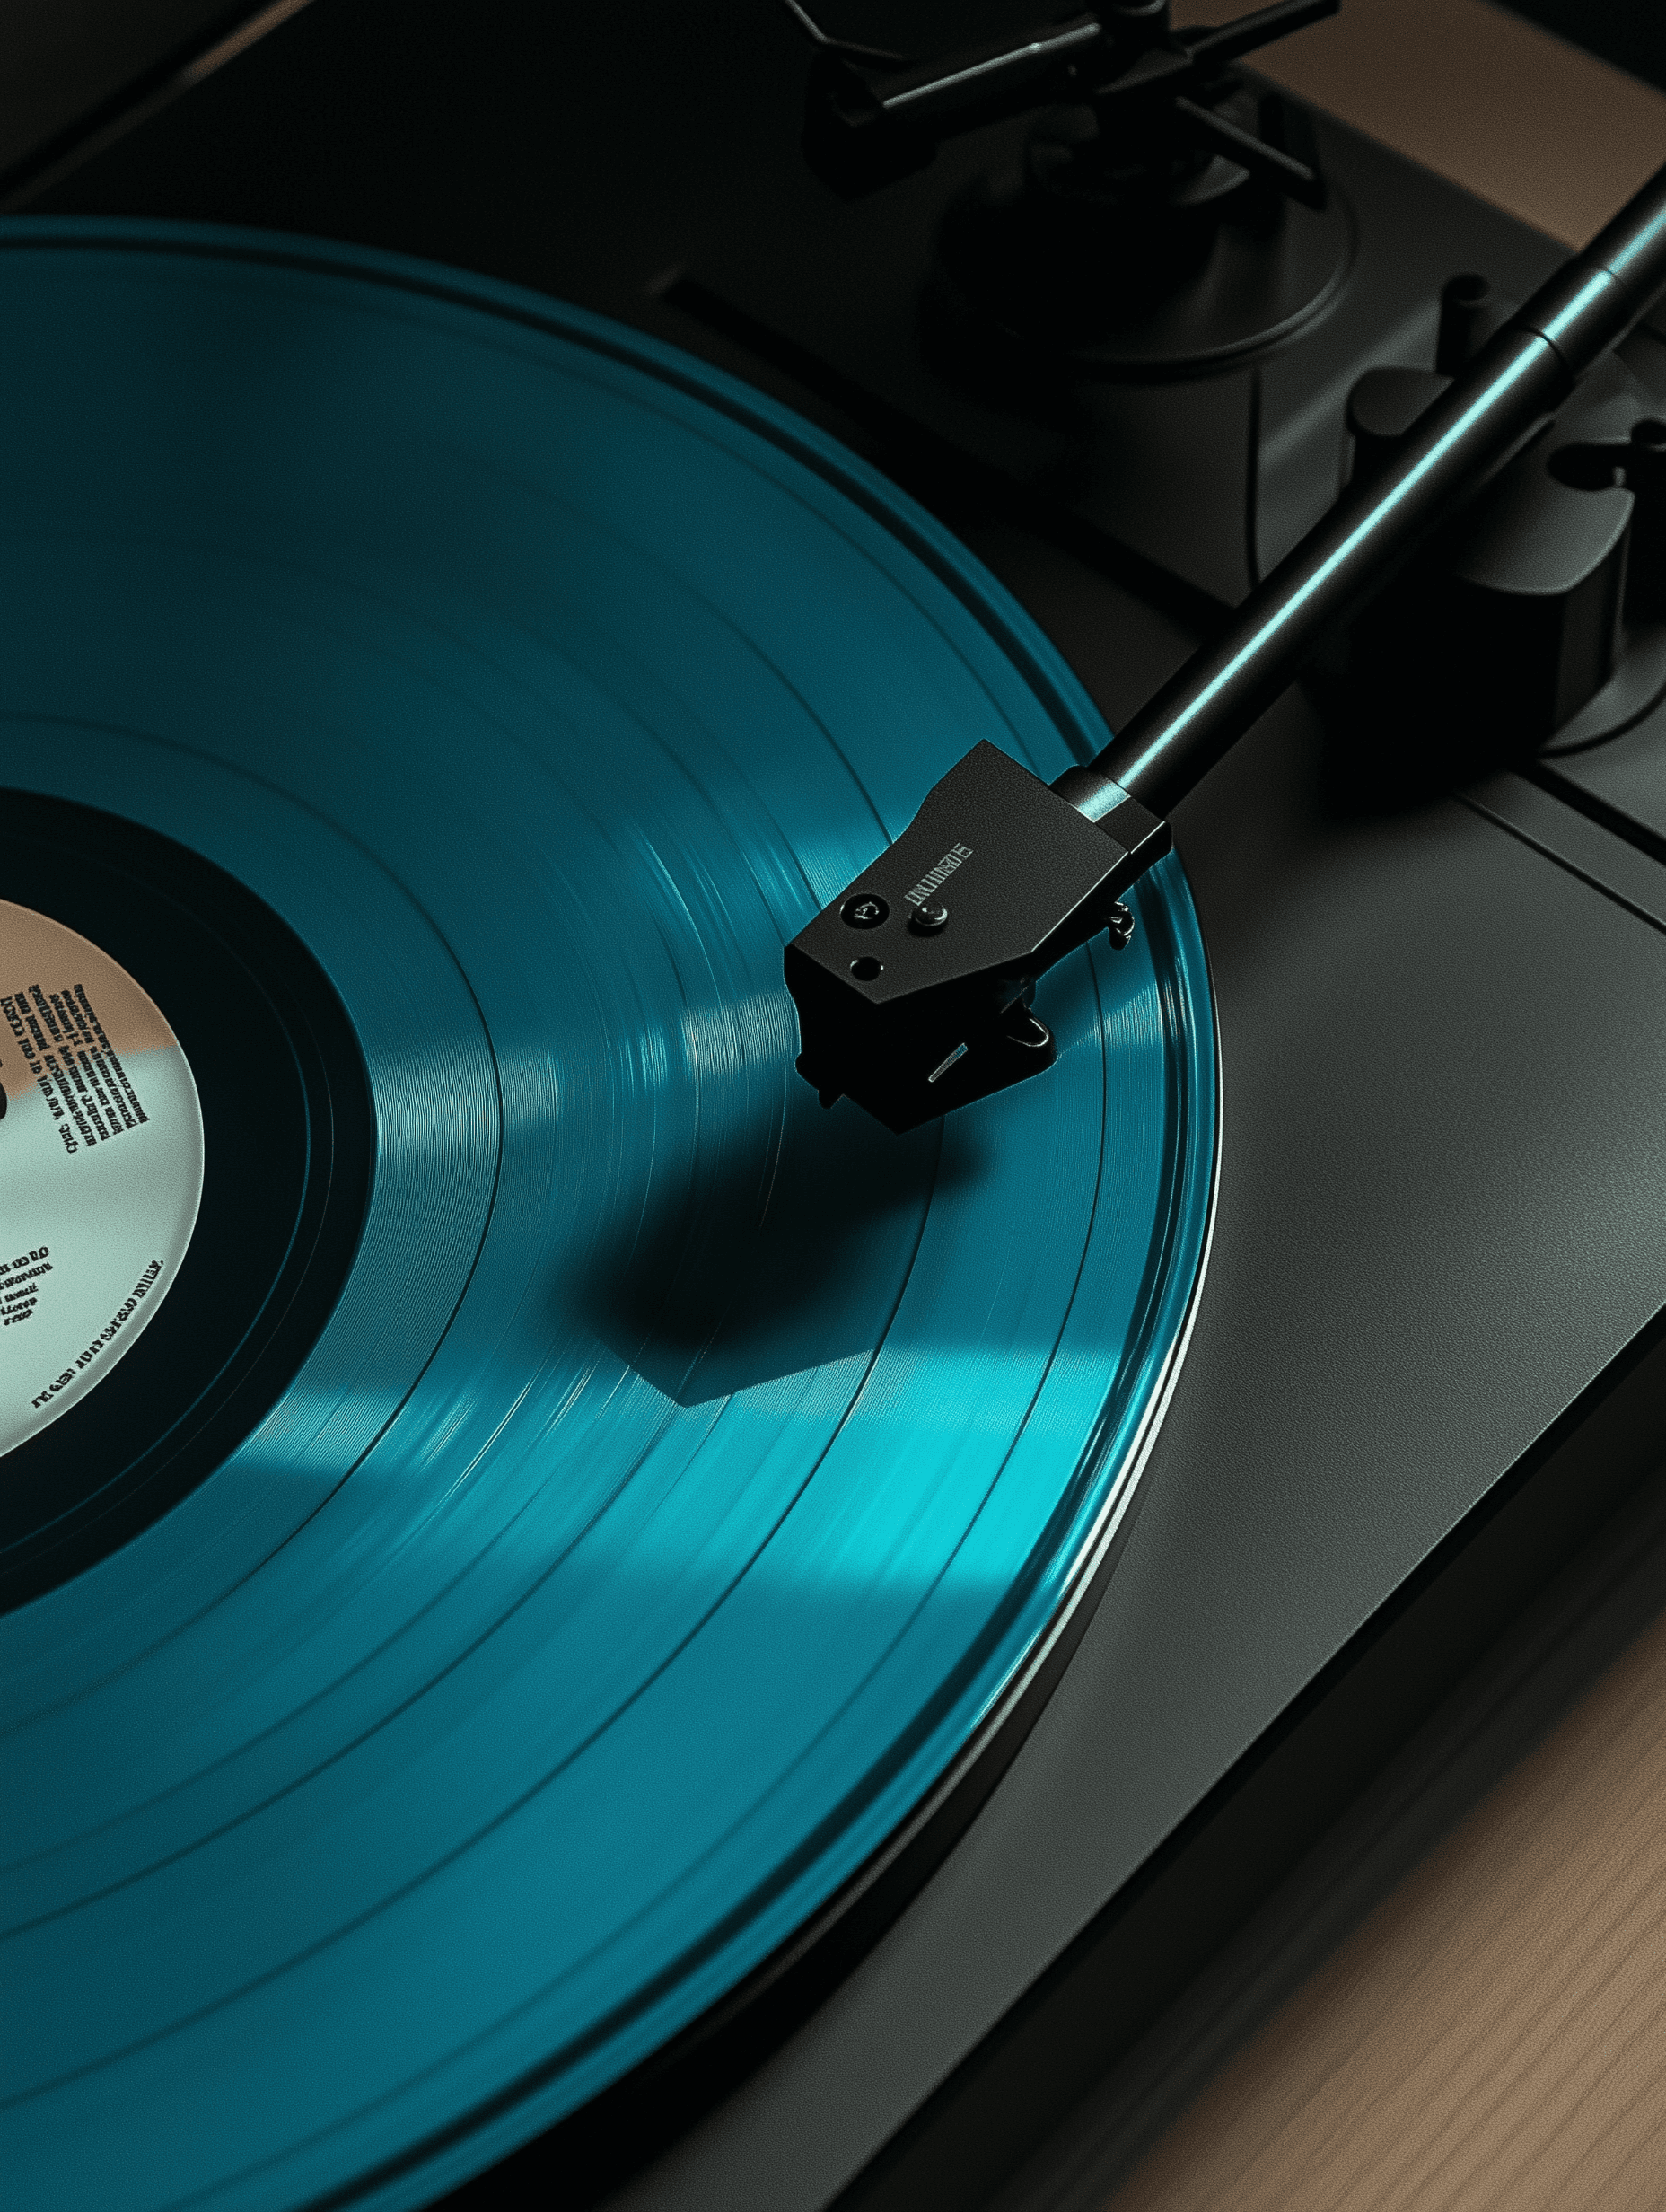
{"x": 1494, "y": 2033}
{"x": 1499, "y": 106}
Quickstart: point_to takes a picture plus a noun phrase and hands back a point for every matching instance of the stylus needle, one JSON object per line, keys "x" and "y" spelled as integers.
{"x": 910, "y": 1021}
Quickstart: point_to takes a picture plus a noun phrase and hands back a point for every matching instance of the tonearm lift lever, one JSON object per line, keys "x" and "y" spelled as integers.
{"x": 914, "y": 987}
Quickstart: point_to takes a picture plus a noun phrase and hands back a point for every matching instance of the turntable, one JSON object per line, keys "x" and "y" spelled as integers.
{"x": 575, "y": 1599}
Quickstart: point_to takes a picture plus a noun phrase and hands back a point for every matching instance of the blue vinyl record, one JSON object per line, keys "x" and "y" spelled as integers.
{"x": 683, "y": 1485}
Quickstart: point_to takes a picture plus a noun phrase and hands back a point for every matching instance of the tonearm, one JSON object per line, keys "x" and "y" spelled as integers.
{"x": 914, "y": 986}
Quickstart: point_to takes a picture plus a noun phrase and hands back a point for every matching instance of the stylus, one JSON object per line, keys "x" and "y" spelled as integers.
{"x": 914, "y": 987}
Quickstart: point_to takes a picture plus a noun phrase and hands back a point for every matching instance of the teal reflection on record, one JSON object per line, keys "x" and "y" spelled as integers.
{"x": 687, "y": 1477}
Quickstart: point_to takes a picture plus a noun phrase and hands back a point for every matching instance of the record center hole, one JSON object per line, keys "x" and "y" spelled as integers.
{"x": 865, "y": 969}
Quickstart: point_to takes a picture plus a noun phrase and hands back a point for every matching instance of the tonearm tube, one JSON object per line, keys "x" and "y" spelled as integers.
{"x": 914, "y": 986}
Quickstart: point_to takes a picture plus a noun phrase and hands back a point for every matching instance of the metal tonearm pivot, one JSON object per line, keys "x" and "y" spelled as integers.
{"x": 872, "y": 115}
{"x": 913, "y": 988}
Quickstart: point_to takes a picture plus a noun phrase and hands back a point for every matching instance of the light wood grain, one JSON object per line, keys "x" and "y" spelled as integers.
{"x": 1515, "y": 116}
{"x": 1494, "y": 2035}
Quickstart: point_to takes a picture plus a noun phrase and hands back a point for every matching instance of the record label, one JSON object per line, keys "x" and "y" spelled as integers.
{"x": 102, "y": 1139}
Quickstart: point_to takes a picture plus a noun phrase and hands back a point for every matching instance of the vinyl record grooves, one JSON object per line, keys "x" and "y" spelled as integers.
{"x": 667, "y": 1492}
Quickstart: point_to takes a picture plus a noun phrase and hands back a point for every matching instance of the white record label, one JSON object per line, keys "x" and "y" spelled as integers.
{"x": 101, "y": 1167}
